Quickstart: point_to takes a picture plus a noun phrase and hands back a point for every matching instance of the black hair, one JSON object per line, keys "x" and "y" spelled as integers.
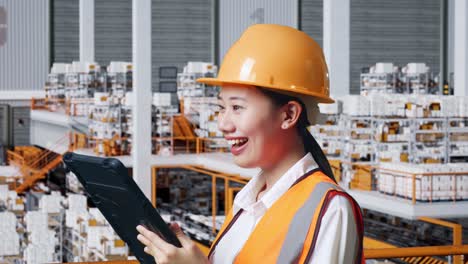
{"x": 310, "y": 144}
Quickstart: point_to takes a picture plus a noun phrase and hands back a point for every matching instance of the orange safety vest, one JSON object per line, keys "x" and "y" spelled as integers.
{"x": 288, "y": 231}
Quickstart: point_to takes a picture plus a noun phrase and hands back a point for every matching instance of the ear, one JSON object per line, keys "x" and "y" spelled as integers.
{"x": 290, "y": 114}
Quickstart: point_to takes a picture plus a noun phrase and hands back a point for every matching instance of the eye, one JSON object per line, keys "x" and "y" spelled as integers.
{"x": 217, "y": 107}
{"x": 236, "y": 107}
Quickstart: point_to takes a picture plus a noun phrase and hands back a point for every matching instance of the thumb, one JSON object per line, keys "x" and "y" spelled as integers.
{"x": 184, "y": 240}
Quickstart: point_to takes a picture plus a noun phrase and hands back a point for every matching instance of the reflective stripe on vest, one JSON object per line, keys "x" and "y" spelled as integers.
{"x": 299, "y": 227}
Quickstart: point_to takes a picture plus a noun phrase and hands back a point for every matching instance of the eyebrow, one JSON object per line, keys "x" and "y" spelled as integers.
{"x": 233, "y": 98}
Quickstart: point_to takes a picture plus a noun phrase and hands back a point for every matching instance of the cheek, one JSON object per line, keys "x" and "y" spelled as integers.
{"x": 259, "y": 129}
{"x": 248, "y": 127}
{"x": 250, "y": 124}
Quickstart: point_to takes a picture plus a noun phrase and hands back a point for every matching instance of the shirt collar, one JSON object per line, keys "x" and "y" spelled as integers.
{"x": 247, "y": 196}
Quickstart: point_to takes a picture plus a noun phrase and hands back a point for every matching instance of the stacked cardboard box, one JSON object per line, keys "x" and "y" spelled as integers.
{"x": 446, "y": 184}
{"x": 42, "y": 241}
{"x": 51, "y": 203}
{"x": 11, "y": 242}
{"x": 89, "y": 235}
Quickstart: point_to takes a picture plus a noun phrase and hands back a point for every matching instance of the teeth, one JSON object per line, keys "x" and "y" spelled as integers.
{"x": 233, "y": 142}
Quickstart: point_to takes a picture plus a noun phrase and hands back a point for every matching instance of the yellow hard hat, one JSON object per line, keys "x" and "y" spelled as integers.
{"x": 277, "y": 57}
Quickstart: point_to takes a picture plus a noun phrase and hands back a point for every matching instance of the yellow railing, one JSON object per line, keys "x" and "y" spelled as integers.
{"x": 38, "y": 103}
{"x": 179, "y": 145}
{"x": 363, "y": 175}
{"x": 47, "y": 103}
{"x": 31, "y": 179}
{"x": 228, "y": 178}
{"x": 457, "y": 232}
{"x": 411, "y": 193}
{"x": 33, "y": 163}
{"x": 375, "y": 249}
{"x": 15, "y": 158}
{"x": 386, "y": 253}
{"x": 207, "y": 145}
{"x": 230, "y": 197}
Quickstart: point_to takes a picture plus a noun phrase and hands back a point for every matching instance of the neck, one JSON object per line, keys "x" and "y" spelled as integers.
{"x": 281, "y": 166}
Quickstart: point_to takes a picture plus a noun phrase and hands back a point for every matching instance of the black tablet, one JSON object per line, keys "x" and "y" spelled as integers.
{"x": 120, "y": 200}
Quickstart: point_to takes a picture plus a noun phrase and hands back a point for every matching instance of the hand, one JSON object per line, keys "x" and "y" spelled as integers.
{"x": 164, "y": 252}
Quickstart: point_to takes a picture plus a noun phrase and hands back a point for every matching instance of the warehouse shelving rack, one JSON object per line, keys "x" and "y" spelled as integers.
{"x": 330, "y": 136}
{"x": 55, "y": 91}
{"x": 384, "y": 142}
{"x": 426, "y": 139}
{"x": 80, "y": 87}
{"x": 416, "y": 83}
{"x": 379, "y": 83}
{"x": 164, "y": 133}
{"x": 105, "y": 125}
{"x": 457, "y": 134}
{"x": 439, "y": 143}
{"x": 56, "y": 223}
{"x": 403, "y": 82}
{"x": 358, "y": 132}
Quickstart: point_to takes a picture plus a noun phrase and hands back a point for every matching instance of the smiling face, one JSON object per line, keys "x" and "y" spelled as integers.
{"x": 252, "y": 126}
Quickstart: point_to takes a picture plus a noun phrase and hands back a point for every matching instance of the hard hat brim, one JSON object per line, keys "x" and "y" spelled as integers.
{"x": 218, "y": 82}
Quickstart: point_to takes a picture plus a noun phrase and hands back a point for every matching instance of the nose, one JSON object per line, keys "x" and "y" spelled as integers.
{"x": 225, "y": 124}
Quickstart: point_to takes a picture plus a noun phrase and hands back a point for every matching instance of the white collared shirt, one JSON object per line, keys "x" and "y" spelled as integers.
{"x": 337, "y": 235}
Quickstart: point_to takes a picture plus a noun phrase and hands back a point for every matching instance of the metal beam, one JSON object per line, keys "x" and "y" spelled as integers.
{"x": 443, "y": 54}
{"x": 336, "y": 44}
{"x": 450, "y": 41}
{"x": 215, "y": 31}
{"x": 142, "y": 94}
{"x": 461, "y": 48}
{"x": 87, "y": 30}
{"x": 51, "y": 33}
{"x": 5, "y": 126}
{"x": 457, "y": 233}
{"x": 385, "y": 253}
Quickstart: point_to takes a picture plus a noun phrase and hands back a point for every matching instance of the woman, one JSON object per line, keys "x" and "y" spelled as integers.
{"x": 293, "y": 212}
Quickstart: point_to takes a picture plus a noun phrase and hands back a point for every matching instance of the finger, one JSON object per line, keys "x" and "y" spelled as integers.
{"x": 184, "y": 240}
{"x": 148, "y": 251}
{"x": 145, "y": 241}
{"x": 155, "y": 240}
{"x": 149, "y": 247}
{"x": 151, "y": 251}
{"x": 154, "y": 252}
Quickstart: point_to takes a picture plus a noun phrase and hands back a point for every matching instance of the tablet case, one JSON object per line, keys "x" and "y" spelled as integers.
{"x": 120, "y": 200}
